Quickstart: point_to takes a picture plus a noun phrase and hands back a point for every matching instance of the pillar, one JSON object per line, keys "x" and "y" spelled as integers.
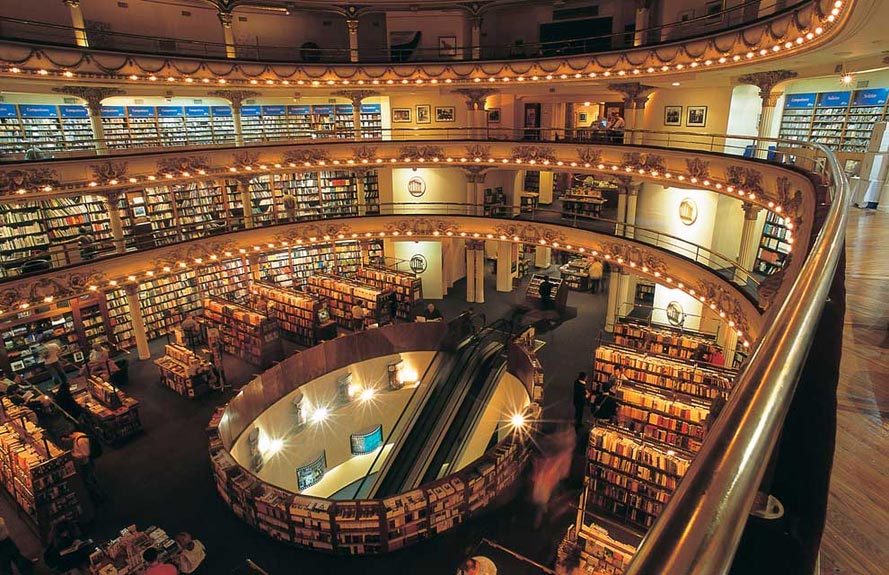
{"x": 112, "y": 205}
{"x": 639, "y": 119}
{"x": 356, "y": 97}
{"x": 476, "y": 116}
{"x": 633, "y": 93}
{"x": 766, "y": 81}
{"x": 613, "y": 289}
{"x": 77, "y": 23}
{"x": 623, "y": 291}
{"x": 505, "y": 252}
{"x": 622, "y": 194}
{"x": 470, "y": 272}
{"x": 475, "y": 271}
{"x": 476, "y": 38}
{"x": 352, "y": 23}
{"x": 246, "y": 201}
{"x": 643, "y": 22}
{"x": 569, "y": 121}
{"x": 474, "y": 191}
{"x": 225, "y": 18}
{"x": 749, "y": 241}
{"x": 632, "y": 197}
{"x": 236, "y": 97}
{"x": 93, "y": 97}
{"x": 542, "y": 256}
{"x": 132, "y": 293}
{"x": 728, "y": 341}
{"x": 359, "y": 189}
{"x": 480, "y": 274}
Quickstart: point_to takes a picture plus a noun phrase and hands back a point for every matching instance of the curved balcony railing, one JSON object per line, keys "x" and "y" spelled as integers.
{"x": 720, "y": 20}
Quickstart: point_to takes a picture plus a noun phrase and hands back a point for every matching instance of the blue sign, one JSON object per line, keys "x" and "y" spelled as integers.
{"x": 366, "y": 442}
{"x": 251, "y": 111}
{"x": 274, "y": 110}
{"x": 8, "y": 111}
{"x": 299, "y": 110}
{"x": 169, "y": 111}
{"x": 197, "y": 111}
{"x": 344, "y": 108}
{"x": 140, "y": 111}
{"x": 74, "y": 112}
{"x": 38, "y": 111}
{"x": 371, "y": 108}
{"x": 871, "y": 97}
{"x": 113, "y": 112}
{"x": 834, "y": 99}
{"x": 799, "y": 101}
{"x": 220, "y": 111}
{"x": 324, "y": 110}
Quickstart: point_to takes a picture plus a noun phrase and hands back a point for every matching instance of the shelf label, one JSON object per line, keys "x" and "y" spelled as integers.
{"x": 38, "y": 111}
{"x": 113, "y": 112}
{"x": 274, "y": 110}
{"x": 799, "y": 101}
{"x": 74, "y": 112}
{"x": 871, "y": 97}
{"x": 169, "y": 111}
{"x": 8, "y": 111}
{"x": 343, "y": 108}
{"x": 323, "y": 109}
{"x": 834, "y": 99}
{"x": 299, "y": 110}
{"x": 251, "y": 111}
{"x": 221, "y": 111}
{"x": 140, "y": 111}
{"x": 371, "y": 108}
{"x": 197, "y": 111}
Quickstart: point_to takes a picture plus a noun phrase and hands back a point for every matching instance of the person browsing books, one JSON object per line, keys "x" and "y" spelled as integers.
{"x": 155, "y": 566}
{"x": 546, "y": 293}
{"x": 192, "y": 553}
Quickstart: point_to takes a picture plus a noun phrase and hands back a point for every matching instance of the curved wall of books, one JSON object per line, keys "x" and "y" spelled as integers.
{"x": 240, "y": 448}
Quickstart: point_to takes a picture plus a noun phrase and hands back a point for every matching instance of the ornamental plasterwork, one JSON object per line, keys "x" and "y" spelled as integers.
{"x": 61, "y": 285}
{"x": 421, "y": 226}
{"x": 590, "y": 156}
{"x": 302, "y": 156}
{"x": 190, "y": 252}
{"x": 478, "y": 151}
{"x": 538, "y": 154}
{"x": 414, "y": 152}
{"x": 529, "y": 232}
{"x": 726, "y": 301}
{"x": 182, "y": 165}
{"x": 639, "y": 161}
{"x": 107, "y": 171}
{"x": 365, "y": 153}
{"x": 631, "y": 253}
{"x": 318, "y": 231}
{"x": 243, "y": 159}
{"x": 747, "y": 179}
{"x": 792, "y": 201}
{"x": 697, "y": 168}
{"x": 13, "y": 180}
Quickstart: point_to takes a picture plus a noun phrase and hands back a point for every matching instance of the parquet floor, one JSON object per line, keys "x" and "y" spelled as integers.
{"x": 856, "y": 538}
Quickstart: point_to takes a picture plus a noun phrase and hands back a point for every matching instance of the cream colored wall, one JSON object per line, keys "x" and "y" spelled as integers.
{"x": 433, "y": 24}
{"x": 727, "y": 235}
{"x": 155, "y": 18}
{"x": 413, "y": 130}
{"x": 657, "y": 209}
{"x": 693, "y": 308}
{"x": 278, "y": 421}
{"x": 433, "y": 284}
{"x": 717, "y": 100}
{"x": 274, "y": 29}
{"x": 442, "y": 185}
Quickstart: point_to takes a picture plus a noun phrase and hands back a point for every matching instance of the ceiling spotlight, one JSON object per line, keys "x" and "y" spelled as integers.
{"x": 320, "y": 415}
{"x": 846, "y": 79}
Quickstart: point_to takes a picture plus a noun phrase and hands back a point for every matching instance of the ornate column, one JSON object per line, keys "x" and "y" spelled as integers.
{"x": 476, "y": 38}
{"x": 632, "y": 197}
{"x": 77, "y": 23}
{"x": 613, "y": 289}
{"x": 112, "y": 204}
{"x": 766, "y": 81}
{"x": 236, "y": 97}
{"x": 225, "y": 18}
{"x": 93, "y": 97}
{"x": 475, "y": 271}
{"x": 359, "y": 189}
{"x": 475, "y": 109}
{"x": 643, "y": 22}
{"x": 542, "y": 257}
{"x": 622, "y": 194}
{"x": 639, "y": 118}
{"x": 356, "y": 96}
{"x": 132, "y": 293}
{"x": 633, "y": 93}
{"x": 475, "y": 176}
{"x": 352, "y": 23}
{"x": 569, "y": 120}
{"x": 504, "y": 265}
{"x": 246, "y": 201}
{"x": 749, "y": 240}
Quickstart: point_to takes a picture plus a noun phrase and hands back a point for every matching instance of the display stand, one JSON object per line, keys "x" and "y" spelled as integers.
{"x": 558, "y": 295}
{"x": 299, "y": 314}
{"x": 246, "y": 334}
{"x": 584, "y": 201}
{"x": 183, "y": 371}
{"x": 111, "y": 414}
{"x": 576, "y": 274}
{"x": 124, "y": 554}
{"x": 342, "y": 293}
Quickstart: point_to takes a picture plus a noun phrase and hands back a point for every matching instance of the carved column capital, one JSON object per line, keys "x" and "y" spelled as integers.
{"x": 72, "y": 3}
{"x": 475, "y": 245}
{"x": 475, "y": 97}
{"x": 475, "y": 174}
{"x": 640, "y": 102}
{"x": 225, "y": 18}
{"x": 92, "y": 95}
{"x": 632, "y": 92}
{"x": 236, "y": 97}
{"x": 352, "y": 23}
{"x": 765, "y": 81}
{"x": 751, "y": 211}
{"x": 356, "y": 96}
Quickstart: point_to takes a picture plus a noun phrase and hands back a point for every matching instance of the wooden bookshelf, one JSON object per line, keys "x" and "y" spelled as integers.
{"x": 774, "y": 245}
{"x": 183, "y": 371}
{"x": 408, "y": 288}
{"x": 298, "y": 313}
{"x": 111, "y": 414}
{"x": 342, "y": 293}
{"x": 679, "y": 344}
{"x": 245, "y": 333}
{"x": 228, "y": 279}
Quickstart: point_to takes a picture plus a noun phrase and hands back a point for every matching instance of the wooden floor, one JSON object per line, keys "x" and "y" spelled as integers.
{"x": 856, "y": 539}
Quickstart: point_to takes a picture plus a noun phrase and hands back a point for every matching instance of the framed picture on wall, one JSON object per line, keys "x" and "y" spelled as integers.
{"x": 424, "y": 114}
{"x": 697, "y": 117}
{"x": 401, "y": 115}
{"x": 447, "y": 46}
{"x": 494, "y": 116}
{"x": 582, "y": 118}
{"x": 445, "y": 114}
{"x": 672, "y": 115}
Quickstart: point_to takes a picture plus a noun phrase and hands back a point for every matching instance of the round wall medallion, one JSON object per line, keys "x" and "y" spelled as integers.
{"x": 675, "y": 313}
{"x": 416, "y": 186}
{"x": 688, "y": 211}
{"x": 418, "y": 263}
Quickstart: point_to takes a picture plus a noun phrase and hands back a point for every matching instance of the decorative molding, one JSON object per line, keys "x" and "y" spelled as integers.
{"x": 236, "y": 97}
{"x": 765, "y": 81}
{"x": 751, "y": 211}
{"x": 791, "y": 201}
{"x": 632, "y": 92}
{"x": 591, "y": 156}
{"x": 475, "y": 245}
{"x": 643, "y": 161}
{"x": 770, "y": 286}
{"x": 304, "y": 156}
{"x": 109, "y": 172}
{"x": 528, "y": 232}
{"x": 422, "y": 226}
{"x": 356, "y": 96}
{"x": 183, "y": 165}
{"x": 60, "y": 286}
{"x": 536, "y": 154}
{"x": 415, "y": 152}
{"x": 726, "y": 301}
{"x": 697, "y": 168}
{"x": 475, "y": 174}
{"x": 244, "y": 158}
{"x": 475, "y": 97}
{"x": 299, "y": 234}
{"x": 748, "y": 179}
{"x": 93, "y": 95}
{"x": 365, "y": 153}
{"x": 20, "y": 181}
{"x": 625, "y": 254}
{"x": 478, "y": 151}
{"x": 225, "y": 18}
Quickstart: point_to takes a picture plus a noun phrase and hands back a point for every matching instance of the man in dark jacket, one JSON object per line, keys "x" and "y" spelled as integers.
{"x": 581, "y": 397}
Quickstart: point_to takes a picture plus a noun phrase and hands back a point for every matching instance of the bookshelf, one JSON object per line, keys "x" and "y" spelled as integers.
{"x": 171, "y": 126}
{"x": 76, "y": 127}
{"x": 42, "y": 127}
{"x": 679, "y": 344}
{"x": 183, "y": 371}
{"x": 339, "y": 193}
{"x": 11, "y": 133}
{"x": 111, "y": 414}
{"x": 773, "y": 246}
{"x": 323, "y": 124}
{"x": 222, "y": 123}
{"x": 26, "y": 334}
{"x": 342, "y": 293}
{"x": 199, "y": 126}
{"x": 601, "y": 551}
{"x": 644, "y": 295}
{"x": 842, "y": 120}
{"x": 228, "y": 279}
{"x": 22, "y": 234}
{"x": 304, "y": 196}
{"x": 251, "y": 123}
{"x": 343, "y": 121}
{"x": 372, "y": 252}
{"x": 245, "y": 333}
{"x": 199, "y": 208}
{"x": 114, "y": 126}
{"x": 408, "y": 288}
{"x": 494, "y": 201}
{"x": 371, "y": 193}
{"x": 37, "y": 473}
{"x": 371, "y": 122}
{"x": 261, "y": 198}
{"x": 274, "y": 122}
{"x": 298, "y": 313}
{"x": 161, "y": 211}
{"x": 294, "y": 266}
{"x": 166, "y": 301}
{"x": 299, "y": 121}
{"x": 142, "y": 125}
{"x": 676, "y": 423}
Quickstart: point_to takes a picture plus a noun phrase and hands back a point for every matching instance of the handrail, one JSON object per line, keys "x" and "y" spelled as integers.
{"x": 701, "y": 527}
{"x": 725, "y": 19}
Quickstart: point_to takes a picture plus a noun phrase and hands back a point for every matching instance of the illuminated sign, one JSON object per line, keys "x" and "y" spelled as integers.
{"x": 366, "y": 442}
